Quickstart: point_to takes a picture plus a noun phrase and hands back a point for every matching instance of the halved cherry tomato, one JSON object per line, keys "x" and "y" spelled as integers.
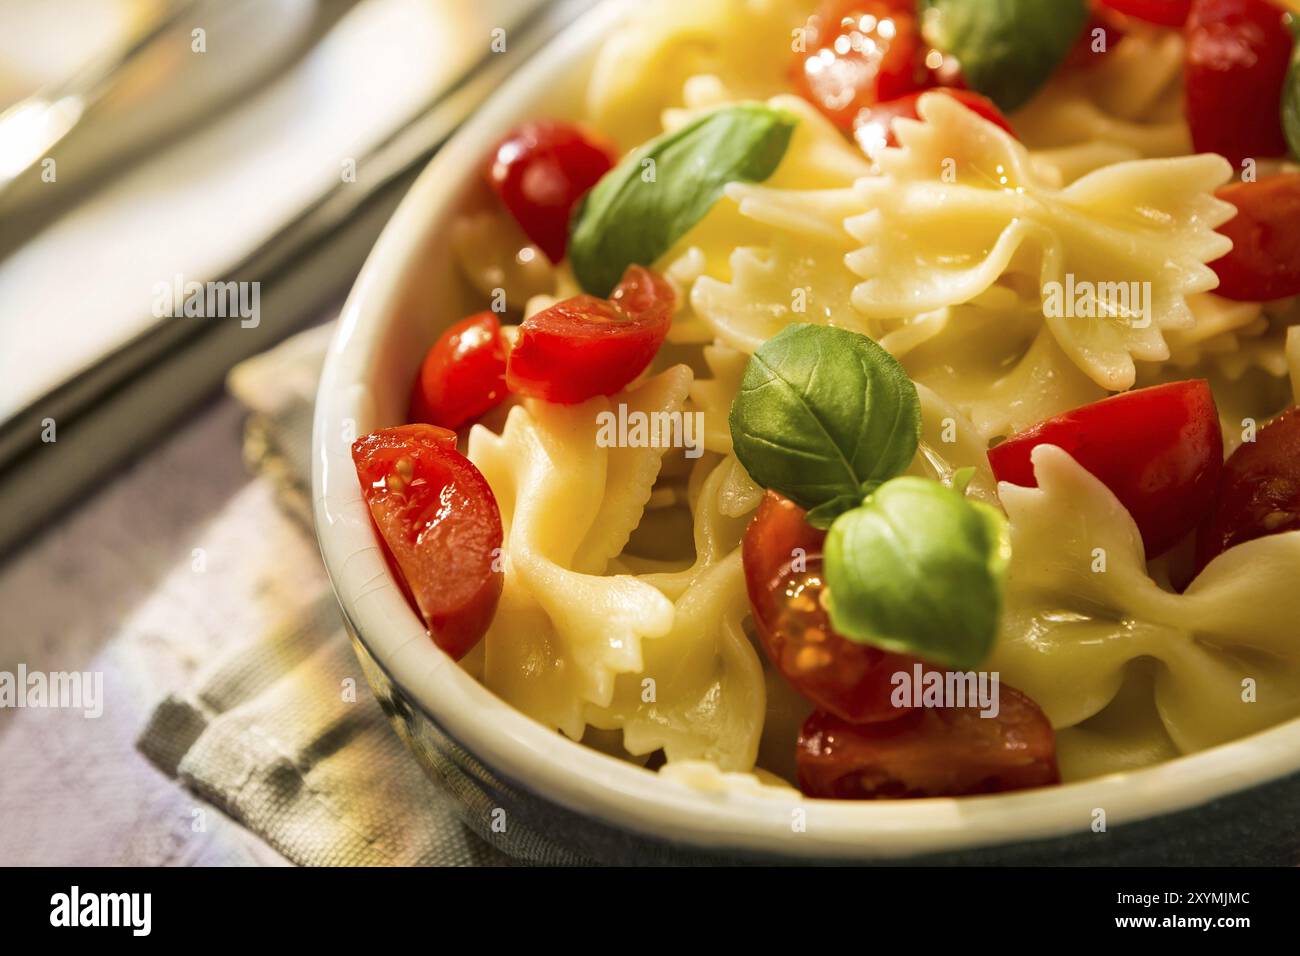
{"x": 1166, "y": 13}
{"x": 541, "y": 170}
{"x": 1259, "y": 492}
{"x": 1236, "y": 61}
{"x": 929, "y": 752}
{"x": 1265, "y": 259}
{"x": 441, "y": 525}
{"x": 1158, "y": 449}
{"x": 585, "y": 346}
{"x": 858, "y": 53}
{"x": 783, "y": 574}
{"x": 874, "y": 126}
{"x": 463, "y": 375}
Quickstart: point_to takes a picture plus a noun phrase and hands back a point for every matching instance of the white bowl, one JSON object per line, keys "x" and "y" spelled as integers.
{"x": 591, "y": 806}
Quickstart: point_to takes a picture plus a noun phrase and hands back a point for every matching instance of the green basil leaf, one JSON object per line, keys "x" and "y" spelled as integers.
{"x": 1007, "y": 48}
{"x": 824, "y": 414}
{"x": 1291, "y": 97}
{"x": 918, "y": 569}
{"x": 658, "y": 192}
{"x": 824, "y": 514}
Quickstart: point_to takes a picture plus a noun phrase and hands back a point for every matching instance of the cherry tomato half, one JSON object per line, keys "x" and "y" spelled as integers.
{"x": 540, "y": 171}
{"x": 1166, "y": 13}
{"x": 782, "y": 554}
{"x": 1158, "y": 449}
{"x": 1236, "y": 61}
{"x": 440, "y": 522}
{"x": 585, "y": 346}
{"x": 929, "y": 752}
{"x": 874, "y": 127}
{"x": 463, "y": 375}
{"x": 858, "y": 53}
{"x": 1259, "y": 492}
{"x": 1265, "y": 259}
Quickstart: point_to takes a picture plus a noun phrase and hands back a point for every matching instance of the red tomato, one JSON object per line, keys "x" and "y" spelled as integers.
{"x": 1236, "y": 61}
{"x": 1167, "y": 13}
{"x": 463, "y": 375}
{"x": 929, "y": 752}
{"x": 585, "y": 346}
{"x": 874, "y": 126}
{"x": 848, "y": 679}
{"x": 858, "y": 53}
{"x": 540, "y": 171}
{"x": 1259, "y": 492}
{"x": 1159, "y": 450}
{"x": 440, "y": 522}
{"x": 1265, "y": 259}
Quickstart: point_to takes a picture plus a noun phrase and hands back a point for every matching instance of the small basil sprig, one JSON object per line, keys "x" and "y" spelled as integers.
{"x": 918, "y": 569}
{"x": 1007, "y": 48}
{"x": 1291, "y": 92}
{"x": 658, "y": 192}
{"x": 828, "y": 418}
{"x": 824, "y": 416}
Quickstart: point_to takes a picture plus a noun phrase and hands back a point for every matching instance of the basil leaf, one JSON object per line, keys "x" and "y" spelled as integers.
{"x": 824, "y": 414}
{"x": 918, "y": 569}
{"x": 658, "y": 192}
{"x": 1006, "y": 48}
{"x": 824, "y": 514}
{"x": 1291, "y": 96}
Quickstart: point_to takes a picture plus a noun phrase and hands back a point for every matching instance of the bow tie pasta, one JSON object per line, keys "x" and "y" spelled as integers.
{"x": 1128, "y": 106}
{"x": 958, "y": 208}
{"x": 1082, "y": 608}
{"x": 564, "y": 629}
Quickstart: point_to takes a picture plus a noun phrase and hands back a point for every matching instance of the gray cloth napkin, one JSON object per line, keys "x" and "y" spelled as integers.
{"x": 282, "y": 733}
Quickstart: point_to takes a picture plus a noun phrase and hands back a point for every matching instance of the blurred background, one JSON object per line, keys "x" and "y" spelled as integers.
{"x": 185, "y": 185}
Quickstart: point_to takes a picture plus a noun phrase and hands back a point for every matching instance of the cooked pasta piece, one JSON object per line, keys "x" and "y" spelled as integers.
{"x": 1080, "y": 606}
{"x": 959, "y": 208}
{"x": 644, "y": 66}
{"x": 564, "y": 629}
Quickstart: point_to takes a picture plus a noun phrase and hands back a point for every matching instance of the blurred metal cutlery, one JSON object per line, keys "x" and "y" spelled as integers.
{"x": 136, "y": 94}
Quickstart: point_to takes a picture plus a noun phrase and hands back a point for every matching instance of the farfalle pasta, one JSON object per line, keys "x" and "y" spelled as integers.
{"x": 1127, "y": 106}
{"x": 936, "y": 389}
{"x": 1082, "y": 608}
{"x": 928, "y": 242}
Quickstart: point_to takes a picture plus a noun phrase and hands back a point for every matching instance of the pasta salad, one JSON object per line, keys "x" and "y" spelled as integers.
{"x": 884, "y": 398}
